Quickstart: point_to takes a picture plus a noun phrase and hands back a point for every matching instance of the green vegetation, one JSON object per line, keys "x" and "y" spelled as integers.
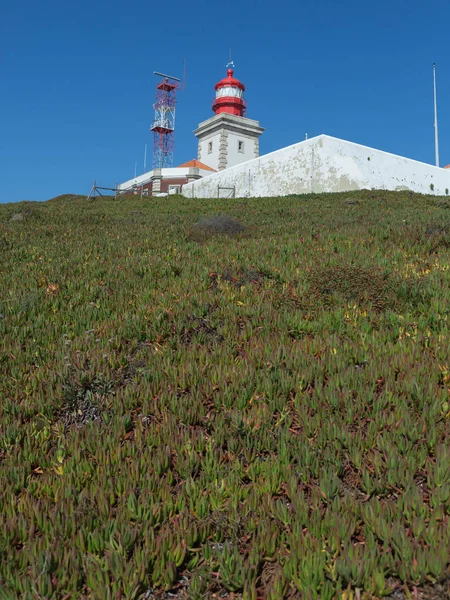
{"x": 242, "y": 397}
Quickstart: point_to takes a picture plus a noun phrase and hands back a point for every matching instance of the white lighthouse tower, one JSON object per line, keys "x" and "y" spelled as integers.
{"x": 229, "y": 137}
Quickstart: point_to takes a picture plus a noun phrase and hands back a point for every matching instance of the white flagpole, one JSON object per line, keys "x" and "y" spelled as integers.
{"x": 436, "y": 137}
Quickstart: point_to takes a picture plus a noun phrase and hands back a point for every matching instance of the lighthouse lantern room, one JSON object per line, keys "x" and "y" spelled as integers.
{"x": 230, "y": 96}
{"x": 229, "y": 137}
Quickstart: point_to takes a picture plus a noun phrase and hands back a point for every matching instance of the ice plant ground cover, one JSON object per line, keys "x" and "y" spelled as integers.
{"x": 239, "y": 398}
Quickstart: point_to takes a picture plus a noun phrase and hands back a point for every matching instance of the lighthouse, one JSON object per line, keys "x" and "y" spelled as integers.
{"x": 228, "y": 138}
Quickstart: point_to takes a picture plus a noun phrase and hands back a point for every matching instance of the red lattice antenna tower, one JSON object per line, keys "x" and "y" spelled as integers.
{"x": 164, "y": 123}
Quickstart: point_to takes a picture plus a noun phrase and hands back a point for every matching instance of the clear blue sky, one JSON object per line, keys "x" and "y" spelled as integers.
{"x": 77, "y": 83}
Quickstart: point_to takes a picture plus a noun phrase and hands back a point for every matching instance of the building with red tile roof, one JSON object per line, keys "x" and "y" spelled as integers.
{"x": 169, "y": 180}
{"x": 197, "y": 164}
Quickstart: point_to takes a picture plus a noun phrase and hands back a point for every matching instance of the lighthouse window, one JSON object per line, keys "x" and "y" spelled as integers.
{"x": 209, "y": 147}
{"x": 240, "y": 146}
{"x": 229, "y": 91}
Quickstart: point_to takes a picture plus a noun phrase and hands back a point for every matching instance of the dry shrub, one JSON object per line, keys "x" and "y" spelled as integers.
{"x": 353, "y": 284}
{"x": 237, "y": 278}
{"x": 365, "y": 286}
{"x": 28, "y": 211}
{"x": 208, "y": 227}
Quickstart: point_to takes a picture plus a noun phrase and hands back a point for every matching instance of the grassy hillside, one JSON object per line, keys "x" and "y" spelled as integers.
{"x": 239, "y": 398}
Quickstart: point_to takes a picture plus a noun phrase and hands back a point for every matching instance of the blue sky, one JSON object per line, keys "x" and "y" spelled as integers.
{"x": 77, "y": 83}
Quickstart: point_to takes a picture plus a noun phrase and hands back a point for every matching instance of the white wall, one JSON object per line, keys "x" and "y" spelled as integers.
{"x": 205, "y": 172}
{"x": 230, "y": 148}
{"x": 139, "y": 180}
{"x": 210, "y": 159}
{"x": 224, "y": 132}
{"x": 166, "y": 172}
{"x": 323, "y": 164}
{"x": 234, "y": 157}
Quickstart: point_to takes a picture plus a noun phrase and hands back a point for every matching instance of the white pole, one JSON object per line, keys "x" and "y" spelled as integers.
{"x": 145, "y": 157}
{"x": 436, "y": 137}
{"x": 135, "y": 169}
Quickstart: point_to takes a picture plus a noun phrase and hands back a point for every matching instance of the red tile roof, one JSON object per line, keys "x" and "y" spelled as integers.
{"x": 447, "y": 167}
{"x": 196, "y": 163}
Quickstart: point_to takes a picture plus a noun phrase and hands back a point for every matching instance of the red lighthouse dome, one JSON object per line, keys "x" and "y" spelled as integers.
{"x": 230, "y": 96}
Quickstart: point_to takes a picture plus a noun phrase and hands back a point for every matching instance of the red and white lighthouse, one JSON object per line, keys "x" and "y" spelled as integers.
{"x": 230, "y": 96}
{"x": 229, "y": 137}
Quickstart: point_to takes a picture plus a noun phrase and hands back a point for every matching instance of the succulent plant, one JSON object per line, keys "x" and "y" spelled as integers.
{"x": 266, "y": 413}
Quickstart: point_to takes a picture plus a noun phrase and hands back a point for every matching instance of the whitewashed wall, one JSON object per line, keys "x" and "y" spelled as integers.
{"x": 322, "y": 164}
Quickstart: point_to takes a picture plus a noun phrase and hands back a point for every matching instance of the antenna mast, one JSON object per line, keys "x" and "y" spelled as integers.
{"x": 164, "y": 123}
{"x": 436, "y": 137}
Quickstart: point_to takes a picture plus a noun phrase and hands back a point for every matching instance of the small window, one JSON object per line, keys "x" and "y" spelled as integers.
{"x": 240, "y": 146}
{"x": 209, "y": 147}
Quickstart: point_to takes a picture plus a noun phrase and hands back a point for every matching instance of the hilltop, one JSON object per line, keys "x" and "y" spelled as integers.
{"x": 225, "y": 398}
